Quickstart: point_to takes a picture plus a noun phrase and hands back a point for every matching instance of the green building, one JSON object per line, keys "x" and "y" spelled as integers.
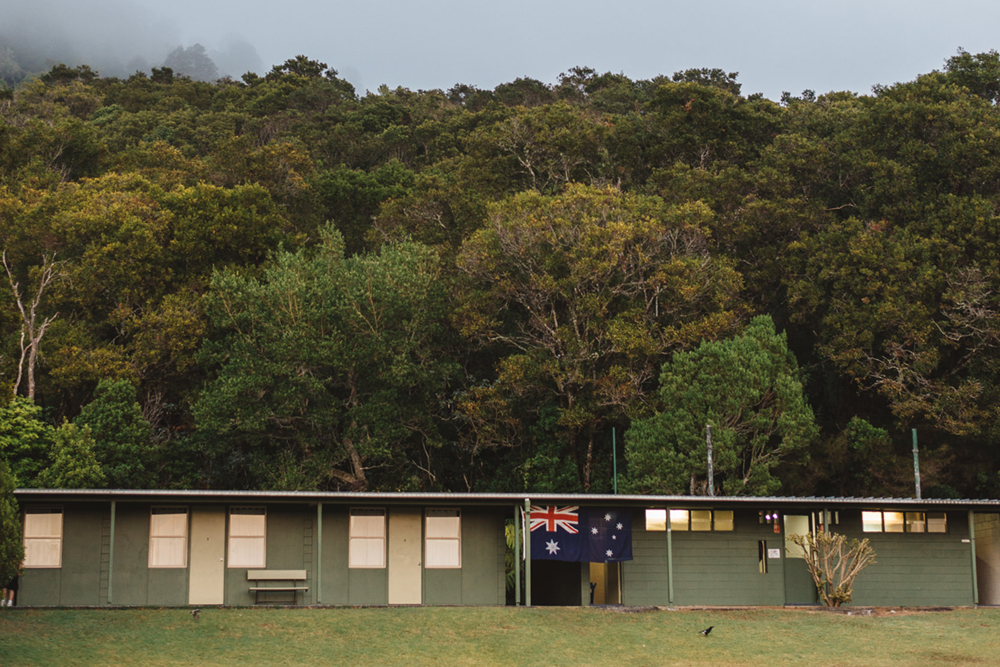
{"x": 177, "y": 548}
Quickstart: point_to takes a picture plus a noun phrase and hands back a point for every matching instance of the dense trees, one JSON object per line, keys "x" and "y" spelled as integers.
{"x": 279, "y": 282}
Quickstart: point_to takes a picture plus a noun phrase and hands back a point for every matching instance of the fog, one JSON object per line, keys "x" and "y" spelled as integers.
{"x": 114, "y": 37}
{"x": 775, "y": 45}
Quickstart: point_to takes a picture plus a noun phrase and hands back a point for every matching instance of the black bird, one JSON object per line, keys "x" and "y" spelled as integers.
{"x": 197, "y": 612}
{"x": 706, "y": 630}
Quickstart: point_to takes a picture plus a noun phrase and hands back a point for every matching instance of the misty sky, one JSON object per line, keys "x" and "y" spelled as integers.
{"x": 775, "y": 45}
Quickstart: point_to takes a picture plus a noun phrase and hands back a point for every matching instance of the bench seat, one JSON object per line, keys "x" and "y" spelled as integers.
{"x": 281, "y": 581}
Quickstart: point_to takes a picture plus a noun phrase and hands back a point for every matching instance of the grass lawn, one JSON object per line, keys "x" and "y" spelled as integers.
{"x": 495, "y": 636}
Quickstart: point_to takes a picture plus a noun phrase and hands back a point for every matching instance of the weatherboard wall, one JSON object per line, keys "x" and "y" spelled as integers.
{"x": 914, "y": 569}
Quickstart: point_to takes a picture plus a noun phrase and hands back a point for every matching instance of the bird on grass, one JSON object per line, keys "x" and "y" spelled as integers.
{"x": 706, "y": 631}
{"x": 196, "y": 613}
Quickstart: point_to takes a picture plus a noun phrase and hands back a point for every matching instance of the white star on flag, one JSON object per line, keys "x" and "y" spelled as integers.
{"x": 620, "y": 526}
{"x": 607, "y": 517}
{"x": 608, "y": 552}
{"x": 593, "y": 531}
{"x": 614, "y": 537}
{"x": 552, "y": 546}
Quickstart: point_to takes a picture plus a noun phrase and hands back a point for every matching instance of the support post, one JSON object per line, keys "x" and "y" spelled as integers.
{"x": 972, "y": 551}
{"x": 111, "y": 554}
{"x": 319, "y": 553}
{"x": 711, "y": 472}
{"x": 527, "y": 554}
{"x": 916, "y": 464}
{"x": 517, "y": 556}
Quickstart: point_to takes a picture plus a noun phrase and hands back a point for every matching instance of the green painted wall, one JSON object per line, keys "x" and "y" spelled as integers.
{"x": 78, "y": 581}
{"x": 713, "y": 568}
{"x": 289, "y": 540}
{"x": 644, "y": 578}
{"x": 914, "y": 569}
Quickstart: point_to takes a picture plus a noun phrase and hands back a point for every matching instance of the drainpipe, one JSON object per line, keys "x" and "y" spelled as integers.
{"x": 972, "y": 551}
{"x": 111, "y": 553}
{"x": 670, "y": 563}
{"x": 319, "y": 553}
{"x": 517, "y": 557}
{"x": 527, "y": 555}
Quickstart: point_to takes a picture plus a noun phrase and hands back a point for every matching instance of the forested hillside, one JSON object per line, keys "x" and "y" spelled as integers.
{"x": 281, "y": 283}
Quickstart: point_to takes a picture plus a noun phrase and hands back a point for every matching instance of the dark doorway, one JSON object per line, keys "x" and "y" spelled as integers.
{"x": 555, "y": 583}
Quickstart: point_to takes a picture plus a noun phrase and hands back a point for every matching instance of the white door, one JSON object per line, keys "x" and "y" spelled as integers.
{"x": 208, "y": 556}
{"x": 405, "y": 571}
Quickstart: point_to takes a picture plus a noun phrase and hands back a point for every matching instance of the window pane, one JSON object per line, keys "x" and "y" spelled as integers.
{"x": 247, "y": 525}
{"x": 915, "y": 522}
{"x": 443, "y": 553}
{"x": 701, "y": 519}
{"x": 168, "y": 525}
{"x": 443, "y": 527}
{"x": 168, "y": 552}
{"x": 723, "y": 520}
{"x": 48, "y": 524}
{"x": 937, "y": 522}
{"x": 656, "y": 519}
{"x": 678, "y": 519}
{"x": 871, "y": 522}
{"x": 368, "y": 526}
{"x": 893, "y": 522}
{"x": 246, "y": 552}
{"x": 43, "y": 552}
{"x": 366, "y": 552}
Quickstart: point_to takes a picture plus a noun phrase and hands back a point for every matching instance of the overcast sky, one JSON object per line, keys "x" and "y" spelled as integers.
{"x": 775, "y": 45}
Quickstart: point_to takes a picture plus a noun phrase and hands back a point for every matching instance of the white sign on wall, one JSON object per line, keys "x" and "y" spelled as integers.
{"x": 774, "y": 553}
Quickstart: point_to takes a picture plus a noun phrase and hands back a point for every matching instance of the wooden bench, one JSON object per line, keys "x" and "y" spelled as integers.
{"x": 269, "y": 581}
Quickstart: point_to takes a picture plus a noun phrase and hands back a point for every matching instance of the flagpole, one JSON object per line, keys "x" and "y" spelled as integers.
{"x": 614, "y": 457}
{"x": 527, "y": 555}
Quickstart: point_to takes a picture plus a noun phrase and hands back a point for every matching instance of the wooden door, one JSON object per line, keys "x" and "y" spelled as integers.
{"x": 405, "y": 567}
{"x": 208, "y": 556}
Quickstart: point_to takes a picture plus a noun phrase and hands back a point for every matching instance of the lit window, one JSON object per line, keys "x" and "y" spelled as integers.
{"x": 43, "y": 529}
{"x": 701, "y": 520}
{"x": 909, "y": 522}
{"x": 937, "y": 522}
{"x": 698, "y": 520}
{"x": 722, "y": 520}
{"x": 871, "y": 522}
{"x": 168, "y": 537}
{"x": 656, "y": 520}
{"x": 443, "y": 539}
{"x": 367, "y": 538}
{"x": 915, "y": 522}
{"x": 892, "y": 522}
{"x": 247, "y": 537}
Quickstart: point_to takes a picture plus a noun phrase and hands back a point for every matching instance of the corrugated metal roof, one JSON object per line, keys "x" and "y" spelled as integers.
{"x": 487, "y": 498}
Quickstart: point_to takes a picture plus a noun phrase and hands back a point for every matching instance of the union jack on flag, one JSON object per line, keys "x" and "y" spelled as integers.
{"x": 552, "y": 518}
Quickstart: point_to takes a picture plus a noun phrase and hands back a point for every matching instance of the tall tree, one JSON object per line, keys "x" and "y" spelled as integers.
{"x": 122, "y": 438}
{"x": 580, "y": 295}
{"x": 331, "y": 369}
{"x": 748, "y": 390}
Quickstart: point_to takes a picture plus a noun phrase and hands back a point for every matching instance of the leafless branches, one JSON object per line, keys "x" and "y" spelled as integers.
{"x": 32, "y": 330}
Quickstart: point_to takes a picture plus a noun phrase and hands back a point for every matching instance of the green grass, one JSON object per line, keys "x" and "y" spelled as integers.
{"x": 494, "y": 636}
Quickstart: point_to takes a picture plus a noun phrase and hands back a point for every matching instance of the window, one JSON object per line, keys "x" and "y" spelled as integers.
{"x": 656, "y": 520}
{"x": 247, "y": 537}
{"x": 701, "y": 520}
{"x": 43, "y": 530}
{"x": 168, "y": 537}
{"x": 904, "y": 522}
{"x": 367, "y": 538}
{"x": 443, "y": 537}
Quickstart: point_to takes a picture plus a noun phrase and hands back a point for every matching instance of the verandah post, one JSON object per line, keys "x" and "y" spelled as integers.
{"x": 527, "y": 554}
{"x": 517, "y": 556}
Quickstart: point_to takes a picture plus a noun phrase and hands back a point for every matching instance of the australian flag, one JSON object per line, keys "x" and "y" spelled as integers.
{"x": 581, "y": 534}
